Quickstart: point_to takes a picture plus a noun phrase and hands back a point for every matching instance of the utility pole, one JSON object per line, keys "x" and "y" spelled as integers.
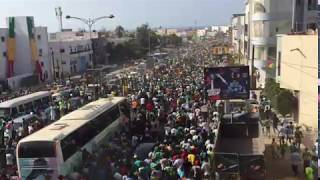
{"x": 53, "y": 67}
{"x": 59, "y": 16}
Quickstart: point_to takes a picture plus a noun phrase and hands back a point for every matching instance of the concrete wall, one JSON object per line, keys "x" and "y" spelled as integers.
{"x": 3, "y": 51}
{"x": 23, "y": 63}
{"x": 41, "y": 36}
{"x": 299, "y": 71}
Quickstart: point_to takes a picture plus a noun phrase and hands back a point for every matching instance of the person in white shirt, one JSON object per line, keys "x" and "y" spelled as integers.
{"x": 142, "y": 101}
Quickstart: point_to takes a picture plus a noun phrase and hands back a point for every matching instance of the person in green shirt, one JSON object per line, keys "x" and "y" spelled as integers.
{"x": 309, "y": 173}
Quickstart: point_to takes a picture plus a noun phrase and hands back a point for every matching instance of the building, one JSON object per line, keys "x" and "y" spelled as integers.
{"x": 201, "y": 33}
{"x": 23, "y": 49}
{"x": 221, "y": 49}
{"x": 267, "y": 18}
{"x": 223, "y": 29}
{"x": 297, "y": 70}
{"x": 237, "y": 35}
{"x": 70, "y": 56}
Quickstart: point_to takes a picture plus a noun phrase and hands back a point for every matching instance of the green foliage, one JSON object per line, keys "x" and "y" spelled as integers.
{"x": 285, "y": 102}
{"x": 145, "y": 36}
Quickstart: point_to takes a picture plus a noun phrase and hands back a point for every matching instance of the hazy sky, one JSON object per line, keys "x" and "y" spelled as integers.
{"x": 128, "y": 13}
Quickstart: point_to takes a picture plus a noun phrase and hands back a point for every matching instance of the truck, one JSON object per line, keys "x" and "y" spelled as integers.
{"x": 239, "y": 147}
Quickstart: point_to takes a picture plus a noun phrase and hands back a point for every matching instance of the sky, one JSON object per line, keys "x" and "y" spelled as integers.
{"x": 128, "y": 13}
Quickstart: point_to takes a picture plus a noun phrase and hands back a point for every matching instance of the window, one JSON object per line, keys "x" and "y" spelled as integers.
{"x": 21, "y": 108}
{"x": 277, "y": 29}
{"x": 62, "y": 50}
{"x": 279, "y": 63}
{"x": 4, "y": 54}
{"x": 39, "y": 37}
{"x": 259, "y": 8}
{"x": 42, "y": 64}
{"x": 14, "y": 112}
{"x": 37, "y": 149}
{"x": 2, "y": 39}
{"x": 87, "y": 132}
{"x": 40, "y": 52}
{"x": 312, "y": 5}
{"x": 258, "y": 29}
{"x": 312, "y": 26}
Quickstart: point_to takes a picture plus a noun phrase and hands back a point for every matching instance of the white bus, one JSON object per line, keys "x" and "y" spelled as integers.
{"x": 56, "y": 149}
{"x": 24, "y": 104}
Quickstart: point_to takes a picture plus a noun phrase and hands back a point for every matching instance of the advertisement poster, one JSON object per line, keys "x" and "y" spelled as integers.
{"x": 227, "y": 82}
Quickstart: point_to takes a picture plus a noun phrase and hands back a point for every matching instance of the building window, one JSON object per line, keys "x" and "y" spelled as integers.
{"x": 312, "y": 26}
{"x": 277, "y": 29}
{"x": 39, "y": 37}
{"x": 258, "y": 29}
{"x": 61, "y": 50}
{"x": 312, "y": 4}
{"x": 279, "y": 63}
{"x": 42, "y": 64}
{"x": 2, "y": 38}
{"x": 4, "y": 54}
{"x": 259, "y": 8}
{"x": 40, "y": 52}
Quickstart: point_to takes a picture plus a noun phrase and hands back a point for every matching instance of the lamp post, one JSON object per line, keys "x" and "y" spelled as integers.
{"x": 90, "y": 22}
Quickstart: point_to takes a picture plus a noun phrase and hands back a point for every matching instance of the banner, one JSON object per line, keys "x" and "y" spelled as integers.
{"x": 34, "y": 48}
{"x": 227, "y": 82}
{"x": 11, "y": 47}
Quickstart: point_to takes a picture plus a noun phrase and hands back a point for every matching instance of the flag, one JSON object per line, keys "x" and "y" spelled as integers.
{"x": 11, "y": 46}
{"x": 33, "y": 46}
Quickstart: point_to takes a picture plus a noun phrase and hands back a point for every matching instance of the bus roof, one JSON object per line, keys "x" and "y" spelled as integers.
{"x": 72, "y": 121}
{"x": 23, "y": 99}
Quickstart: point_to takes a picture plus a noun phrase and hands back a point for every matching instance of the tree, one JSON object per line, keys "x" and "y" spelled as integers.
{"x": 285, "y": 102}
{"x": 271, "y": 90}
{"x": 145, "y": 36}
{"x": 120, "y": 32}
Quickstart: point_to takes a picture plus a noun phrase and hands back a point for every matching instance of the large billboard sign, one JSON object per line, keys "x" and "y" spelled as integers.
{"x": 227, "y": 82}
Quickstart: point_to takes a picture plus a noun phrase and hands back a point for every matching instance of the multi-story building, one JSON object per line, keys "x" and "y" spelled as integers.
{"x": 23, "y": 49}
{"x": 267, "y": 18}
{"x": 237, "y": 39}
{"x": 70, "y": 56}
{"x": 297, "y": 70}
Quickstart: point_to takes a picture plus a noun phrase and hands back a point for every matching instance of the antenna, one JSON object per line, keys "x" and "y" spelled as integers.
{"x": 59, "y": 17}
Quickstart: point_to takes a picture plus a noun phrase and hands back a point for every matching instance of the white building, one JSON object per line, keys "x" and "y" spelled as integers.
{"x": 223, "y": 29}
{"x": 41, "y": 34}
{"x": 267, "y": 18}
{"x": 71, "y": 55}
{"x": 24, "y": 65}
{"x": 237, "y": 39}
{"x": 3, "y": 53}
{"x": 201, "y": 32}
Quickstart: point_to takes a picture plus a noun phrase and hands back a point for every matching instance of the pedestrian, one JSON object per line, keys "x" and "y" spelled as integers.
{"x": 267, "y": 125}
{"x": 306, "y": 156}
{"x": 282, "y": 134}
{"x": 275, "y": 122}
{"x": 295, "y": 162}
{"x": 275, "y": 148}
{"x": 298, "y": 137}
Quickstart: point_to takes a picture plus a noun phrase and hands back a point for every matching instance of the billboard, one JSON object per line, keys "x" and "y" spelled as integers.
{"x": 227, "y": 82}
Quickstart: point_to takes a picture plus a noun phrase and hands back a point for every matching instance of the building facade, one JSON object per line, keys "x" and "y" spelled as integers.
{"x": 267, "y": 18}
{"x": 297, "y": 56}
{"x": 23, "y": 52}
{"x": 237, "y": 39}
{"x": 70, "y": 56}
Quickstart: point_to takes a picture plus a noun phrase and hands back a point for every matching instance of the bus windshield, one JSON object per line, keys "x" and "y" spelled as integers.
{"x": 4, "y": 112}
{"x": 37, "y": 149}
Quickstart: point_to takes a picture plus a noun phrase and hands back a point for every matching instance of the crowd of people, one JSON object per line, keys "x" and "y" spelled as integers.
{"x": 171, "y": 112}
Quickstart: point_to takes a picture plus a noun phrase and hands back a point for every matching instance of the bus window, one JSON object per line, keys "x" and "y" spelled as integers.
{"x": 29, "y": 107}
{"x": 4, "y": 112}
{"x": 37, "y": 103}
{"x": 21, "y": 108}
{"x": 125, "y": 109}
{"x": 46, "y": 100}
{"x": 14, "y": 112}
{"x": 36, "y": 149}
{"x": 68, "y": 146}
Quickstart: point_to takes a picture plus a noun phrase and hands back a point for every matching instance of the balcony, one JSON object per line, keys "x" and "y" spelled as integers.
{"x": 263, "y": 41}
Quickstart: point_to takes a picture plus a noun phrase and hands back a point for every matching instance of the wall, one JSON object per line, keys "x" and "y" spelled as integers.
{"x": 41, "y": 36}
{"x": 3, "y": 51}
{"x": 299, "y": 71}
{"x": 23, "y": 63}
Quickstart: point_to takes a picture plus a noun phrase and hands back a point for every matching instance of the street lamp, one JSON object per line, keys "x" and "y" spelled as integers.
{"x": 90, "y": 22}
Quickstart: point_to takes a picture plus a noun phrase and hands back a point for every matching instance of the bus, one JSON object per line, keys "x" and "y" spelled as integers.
{"x": 56, "y": 149}
{"x": 24, "y": 104}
